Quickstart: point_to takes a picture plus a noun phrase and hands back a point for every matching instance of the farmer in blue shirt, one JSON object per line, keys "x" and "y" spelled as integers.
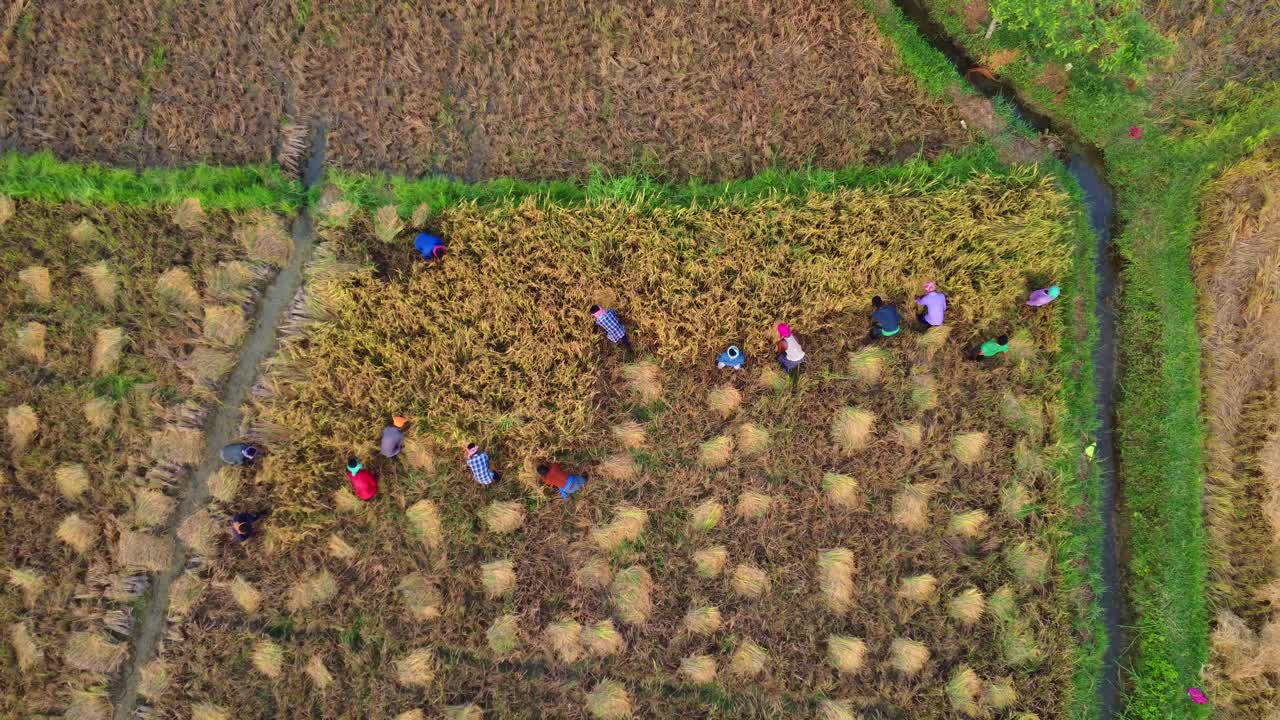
{"x": 731, "y": 358}
{"x": 613, "y": 328}
{"x": 884, "y": 320}
{"x": 430, "y": 246}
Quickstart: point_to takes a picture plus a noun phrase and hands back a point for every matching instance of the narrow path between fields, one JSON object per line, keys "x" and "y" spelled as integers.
{"x": 1087, "y": 165}
{"x": 223, "y": 428}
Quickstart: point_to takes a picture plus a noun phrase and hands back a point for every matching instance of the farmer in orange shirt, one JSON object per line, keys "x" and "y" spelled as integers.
{"x": 556, "y": 477}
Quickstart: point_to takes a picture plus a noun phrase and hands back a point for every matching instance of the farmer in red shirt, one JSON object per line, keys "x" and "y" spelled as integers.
{"x": 363, "y": 482}
{"x": 556, "y": 477}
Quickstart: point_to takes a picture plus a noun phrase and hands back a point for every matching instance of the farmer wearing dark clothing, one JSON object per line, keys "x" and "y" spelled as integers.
{"x": 363, "y": 482}
{"x": 392, "y": 441}
{"x": 613, "y": 328}
{"x": 429, "y": 246}
{"x": 556, "y": 477}
{"x": 478, "y": 464}
{"x": 242, "y": 525}
{"x": 239, "y": 454}
{"x": 990, "y": 348}
{"x": 884, "y": 319}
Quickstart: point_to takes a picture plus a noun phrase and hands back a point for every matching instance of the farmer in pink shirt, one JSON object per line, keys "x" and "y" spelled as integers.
{"x": 934, "y": 304}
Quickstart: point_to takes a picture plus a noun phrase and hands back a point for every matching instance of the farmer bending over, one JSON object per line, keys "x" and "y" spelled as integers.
{"x": 430, "y": 246}
{"x": 934, "y": 304}
{"x": 478, "y": 463}
{"x": 392, "y": 441}
{"x": 613, "y": 328}
{"x": 556, "y": 477}
{"x": 884, "y": 320}
{"x": 239, "y": 454}
{"x": 731, "y": 358}
{"x": 990, "y": 348}
{"x": 1043, "y": 296}
{"x": 363, "y": 482}
{"x": 242, "y": 525}
{"x": 790, "y": 354}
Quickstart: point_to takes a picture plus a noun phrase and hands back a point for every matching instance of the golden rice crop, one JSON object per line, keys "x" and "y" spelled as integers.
{"x": 24, "y": 646}
{"x": 917, "y": 588}
{"x": 421, "y": 597}
{"x": 753, "y": 505}
{"x": 969, "y": 523}
{"x": 963, "y": 689}
{"x": 200, "y": 532}
{"x": 229, "y": 283}
{"x": 594, "y": 574}
{"x": 30, "y": 582}
{"x": 245, "y": 595}
{"x": 908, "y": 656}
{"x": 31, "y": 338}
{"x": 842, "y": 490}
{"x": 154, "y": 680}
{"x": 503, "y": 635}
{"x": 7, "y": 209}
{"x": 933, "y": 340}
{"x": 185, "y": 593}
{"x": 699, "y": 669}
{"x": 264, "y": 239}
{"x": 1028, "y": 562}
{"x": 224, "y": 484}
{"x": 103, "y": 281}
{"x": 424, "y": 523}
{"x": 967, "y": 606}
{"x": 420, "y": 215}
{"x": 753, "y": 440}
{"x": 630, "y": 434}
{"x": 1018, "y": 644}
{"x": 564, "y": 637}
{"x": 628, "y": 522}
{"x": 829, "y": 709}
{"x": 924, "y": 392}
{"x": 417, "y": 669}
{"x": 72, "y": 480}
{"x": 178, "y": 445}
{"x": 503, "y": 517}
{"x": 340, "y": 549}
{"x": 387, "y": 223}
{"x": 716, "y": 452}
{"x": 702, "y": 620}
{"x": 620, "y": 466}
{"x": 188, "y": 215}
{"x": 36, "y": 280}
{"x": 414, "y": 714}
{"x": 705, "y": 516}
{"x": 22, "y": 423}
{"x": 268, "y": 658}
{"x": 846, "y": 654}
{"x": 1022, "y": 414}
{"x": 748, "y": 660}
{"x": 175, "y": 288}
{"x": 141, "y": 550}
{"x": 345, "y": 501}
{"x": 208, "y": 711}
{"x": 498, "y": 578}
{"x": 1028, "y": 460}
{"x": 771, "y": 378}
{"x": 98, "y": 413}
{"x": 645, "y": 381}
{"x": 724, "y": 400}
{"x": 463, "y": 712}
{"x": 1002, "y": 604}
{"x": 315, "y": 590}
{"x": 88, "y": 704}
{"x": 967, "y": 448}
{"x": 911, "y": 507}
{"x": 84, "y": 232}
{"x": 908, "y": 434}
{"x": 867, "y": 364}
{"x": 1022, "y": 347}
{"x": 77, "y": 532}
{"x": 709, "y": 562}
{"x": 108, "y": 344}
{"x": 93, "y": 653}
{"x": 602, "y": 639}
{"x": 1015, "y": 498}
{"x": 835, "y": 579}
{"x": 749, "y": 581}
{"x": 609, "y": 700}
{"x": 851, "y": 429}
{"x": 338, "y": 214}
{"x": 224, "y": 325}
{"x": 318, "y": 673}
{"x": 1000, "y": 694}
{"x": 632, "y": 595}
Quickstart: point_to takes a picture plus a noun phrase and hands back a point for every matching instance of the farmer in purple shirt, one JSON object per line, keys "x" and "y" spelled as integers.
{"x": 934, "y": 304}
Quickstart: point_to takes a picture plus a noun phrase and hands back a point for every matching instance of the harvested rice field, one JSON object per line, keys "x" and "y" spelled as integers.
{"x": 886, "y": 536}
{"x": 119, "y": 325}
{"x": 471, "y": 89}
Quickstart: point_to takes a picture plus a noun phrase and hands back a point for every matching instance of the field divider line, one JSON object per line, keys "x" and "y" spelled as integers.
{"x": 223, "y": 428}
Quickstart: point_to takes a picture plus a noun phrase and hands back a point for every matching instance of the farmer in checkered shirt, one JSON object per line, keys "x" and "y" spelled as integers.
{"x": 478, "y": 462}
{"x": 613, "y": 328}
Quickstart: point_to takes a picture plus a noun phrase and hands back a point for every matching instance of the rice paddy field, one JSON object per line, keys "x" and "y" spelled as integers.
{"x": 471, "y": 89}
{"x": 119, "y": 325}
{"x": 888, "y": 535}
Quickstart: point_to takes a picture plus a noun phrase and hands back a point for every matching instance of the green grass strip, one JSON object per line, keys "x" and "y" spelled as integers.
{"x": 43, "y": 177}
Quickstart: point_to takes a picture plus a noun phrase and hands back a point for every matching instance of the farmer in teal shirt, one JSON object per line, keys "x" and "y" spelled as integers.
{"x": 990, "y": 348}
{"x": 884, "y": 320}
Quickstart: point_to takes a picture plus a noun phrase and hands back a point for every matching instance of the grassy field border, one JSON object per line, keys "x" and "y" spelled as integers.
{"x": 1158, "y": 178}
{"x": 43, "y": 177}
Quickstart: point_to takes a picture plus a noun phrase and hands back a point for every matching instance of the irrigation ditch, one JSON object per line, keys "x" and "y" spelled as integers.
{"x": 222, "y": 428}
{"x": 1087, "y": 166}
